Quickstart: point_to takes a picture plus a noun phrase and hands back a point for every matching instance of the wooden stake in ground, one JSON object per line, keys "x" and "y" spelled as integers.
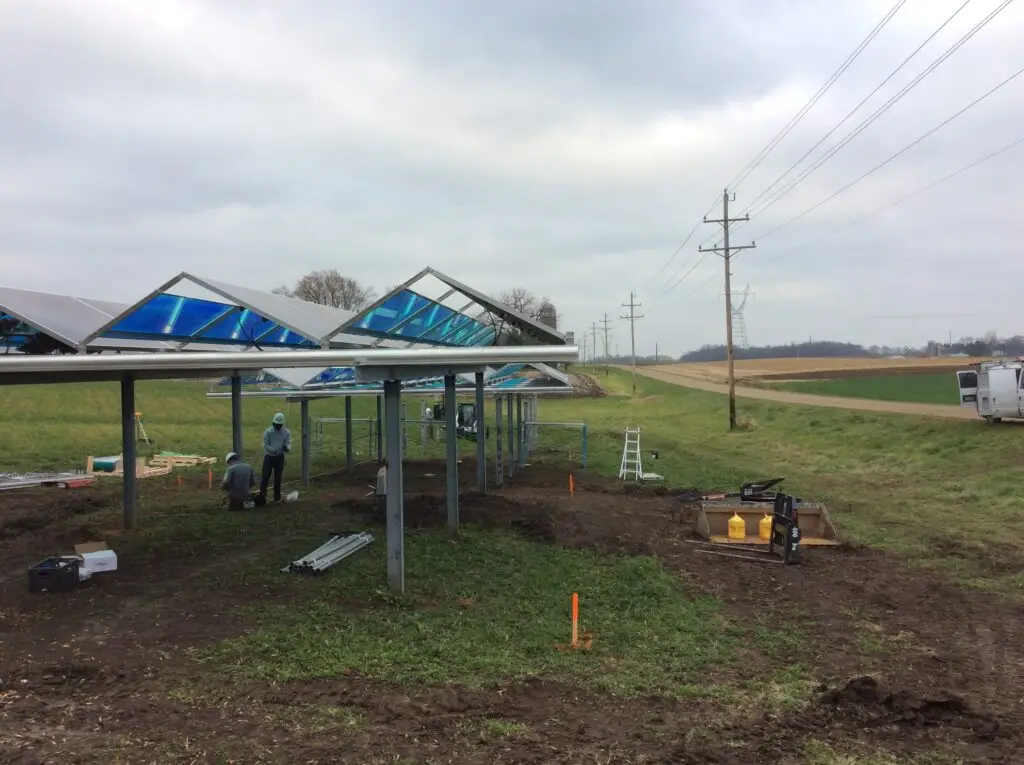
{"x": 726, "y": 252}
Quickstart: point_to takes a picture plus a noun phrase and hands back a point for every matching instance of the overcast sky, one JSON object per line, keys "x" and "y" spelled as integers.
{"x": 567, "y": 147}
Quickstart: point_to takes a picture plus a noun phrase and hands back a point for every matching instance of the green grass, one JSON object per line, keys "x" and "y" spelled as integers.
{"x": 937, "y": 388}
{"x": 479, "y": 618}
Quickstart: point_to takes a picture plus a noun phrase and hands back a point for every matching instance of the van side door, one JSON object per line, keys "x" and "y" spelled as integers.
{"x": 967, "y": 380}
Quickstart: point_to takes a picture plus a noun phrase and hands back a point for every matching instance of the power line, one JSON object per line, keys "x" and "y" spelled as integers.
{"x": 680, "y": 247}
{"x": 893, "y": 73}
{"x": 693, "y": 268}
{"x": 763, "y": 154}
{"x": 902, "y": 151}
{"x": 901, "y": 200}
{"x": 868, "y": 121}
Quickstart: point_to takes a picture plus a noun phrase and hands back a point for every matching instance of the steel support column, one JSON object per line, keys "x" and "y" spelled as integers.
{"x": 520, "y": 457}
{"x": 380, "y": 429}
{"x": 452, "y": 450}
{"x": 499, "y": 435}
{"x": 128, "y": 450}
{"x": 511, "y": 436}
{"x": 348, "y": 433}
{"x": 236, "y": 414}
{"x": 392, "y": 401}
{"x": 481, "y": 436}
{"x": 304, "y": 416}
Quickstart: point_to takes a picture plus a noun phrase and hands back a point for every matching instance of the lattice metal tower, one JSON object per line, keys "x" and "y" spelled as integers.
{"x": 739, "y": 325}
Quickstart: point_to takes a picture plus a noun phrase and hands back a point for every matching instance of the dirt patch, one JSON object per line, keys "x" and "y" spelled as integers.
{"x": 934, "y": 665}
{"x": 585, "y": 385}
{"x": 809, "y": 399}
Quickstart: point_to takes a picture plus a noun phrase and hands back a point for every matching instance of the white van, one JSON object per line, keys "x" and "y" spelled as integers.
{"x": 994, "y": 390}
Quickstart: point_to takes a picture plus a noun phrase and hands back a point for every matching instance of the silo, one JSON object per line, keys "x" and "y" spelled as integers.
{"x": 548, "y": 315}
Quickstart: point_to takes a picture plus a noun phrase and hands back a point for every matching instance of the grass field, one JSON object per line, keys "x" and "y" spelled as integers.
{"x": 485, "y": 612}
{"x": 937, "y": 388}
{"x": 754, "y": 370}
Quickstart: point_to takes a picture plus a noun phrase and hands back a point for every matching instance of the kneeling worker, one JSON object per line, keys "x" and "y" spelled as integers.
{"x": 238, "y": 481}
{"x": 277, "y": 441}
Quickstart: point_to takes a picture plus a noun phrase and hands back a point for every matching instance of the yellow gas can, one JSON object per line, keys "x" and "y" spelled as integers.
{"x": 737, "y": 527}
{"x": 764, "y": 527}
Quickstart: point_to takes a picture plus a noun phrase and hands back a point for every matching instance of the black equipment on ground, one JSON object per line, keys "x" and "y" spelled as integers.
{"x": 785, "y": 535}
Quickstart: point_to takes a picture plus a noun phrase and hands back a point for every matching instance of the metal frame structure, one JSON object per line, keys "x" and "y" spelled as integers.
{"x": 409, "y": 312}
{"x": 391, "y": 366}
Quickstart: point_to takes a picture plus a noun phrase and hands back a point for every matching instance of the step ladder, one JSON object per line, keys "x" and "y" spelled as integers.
{"x": 140, "y": 429}
{"x": 631, "y": 466}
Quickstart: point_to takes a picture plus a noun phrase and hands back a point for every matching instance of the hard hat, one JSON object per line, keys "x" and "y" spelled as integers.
{"x": 279, "y": 418}
{"x": 231, "y": 456}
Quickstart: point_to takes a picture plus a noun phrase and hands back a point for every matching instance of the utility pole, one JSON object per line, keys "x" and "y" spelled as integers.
{"x": 606, "y": 352}
{"x": 632, "y": 305}
{"x": 593, "y": 335}
{"x": 726, "y": 253}
{"x": 655, "y": 353}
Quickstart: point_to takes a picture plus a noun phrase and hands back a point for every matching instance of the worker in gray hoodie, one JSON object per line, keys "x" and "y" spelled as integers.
{"x": 238, "y": 482}
{"x": 277, "y": 441}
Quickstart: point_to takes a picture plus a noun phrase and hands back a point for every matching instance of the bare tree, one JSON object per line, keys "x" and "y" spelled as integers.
{"x": 328, "y": 287}
{"x": 520, "y": 300}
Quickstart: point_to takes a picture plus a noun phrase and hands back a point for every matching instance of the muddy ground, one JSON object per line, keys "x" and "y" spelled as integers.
{"x": 906, "y": 661}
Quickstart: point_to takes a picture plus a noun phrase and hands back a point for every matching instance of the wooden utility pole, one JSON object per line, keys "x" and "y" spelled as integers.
{"x": 607, "y": 353}
{"x": 593, "y": 335}
{"x": 632, "y": 305}
{"x": 726, "y": 253}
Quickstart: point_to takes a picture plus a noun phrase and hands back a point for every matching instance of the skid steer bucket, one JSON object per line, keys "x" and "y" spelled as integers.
{"x": 713, "y": 522}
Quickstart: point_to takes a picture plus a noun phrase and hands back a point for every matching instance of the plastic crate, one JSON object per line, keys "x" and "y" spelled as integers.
{"x": 53, "y": 575}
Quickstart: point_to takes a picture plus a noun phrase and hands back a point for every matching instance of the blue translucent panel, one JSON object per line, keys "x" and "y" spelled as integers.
{"x": 240, "y": 325}
{"x": 334, "y": 375}
{"x": 173, "y": 317}
{"x": 386, "y": 318}
{"x": 506, "y": 371}
{"x": 169, "y": 316}
{"x": 13, "y": 332}
{"x": 478, "y": 334}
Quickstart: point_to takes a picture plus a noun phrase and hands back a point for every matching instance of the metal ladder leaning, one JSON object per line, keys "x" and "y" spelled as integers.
{"x": 630, "y": 466}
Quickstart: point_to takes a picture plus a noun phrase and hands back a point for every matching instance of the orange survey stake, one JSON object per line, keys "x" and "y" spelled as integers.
{"x": 572, "y": 485}
{"x": 575, "y": 619}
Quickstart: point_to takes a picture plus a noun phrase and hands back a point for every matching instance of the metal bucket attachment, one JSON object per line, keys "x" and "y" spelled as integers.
{"x": 812, "y": 517}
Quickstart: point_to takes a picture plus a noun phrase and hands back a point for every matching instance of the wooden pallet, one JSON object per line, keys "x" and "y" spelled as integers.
{"x": 142, "y": 470}
{"x": 179, "y": 460}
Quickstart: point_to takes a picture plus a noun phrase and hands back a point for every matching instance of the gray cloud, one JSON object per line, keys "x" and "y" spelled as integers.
{"x": 565, "y": 147}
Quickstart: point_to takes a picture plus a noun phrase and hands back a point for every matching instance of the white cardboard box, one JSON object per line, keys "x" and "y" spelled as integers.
{"x": 101, "y": 560}
{"x": 96, "y": 557}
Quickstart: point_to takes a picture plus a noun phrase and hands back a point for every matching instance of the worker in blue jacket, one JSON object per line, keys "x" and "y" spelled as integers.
{"x": 277, "y": 441}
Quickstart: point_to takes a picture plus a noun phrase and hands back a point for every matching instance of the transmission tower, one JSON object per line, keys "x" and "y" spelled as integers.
{"x": 737, "y": 318}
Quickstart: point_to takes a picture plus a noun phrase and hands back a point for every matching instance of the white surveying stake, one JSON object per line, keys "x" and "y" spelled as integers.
{"x": 631, "y": 465}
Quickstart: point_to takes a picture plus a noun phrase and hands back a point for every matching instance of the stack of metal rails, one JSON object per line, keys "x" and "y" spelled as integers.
{"x": 336, "y": 549}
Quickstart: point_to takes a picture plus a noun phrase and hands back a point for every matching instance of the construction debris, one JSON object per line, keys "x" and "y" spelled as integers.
{"x": 336, "y": 549}
{"x": 73, "y": 479}
{"x": 753, "y": 502}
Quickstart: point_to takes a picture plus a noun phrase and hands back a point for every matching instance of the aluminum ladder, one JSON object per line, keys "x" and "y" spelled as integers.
{"x": 630, "y": 466}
